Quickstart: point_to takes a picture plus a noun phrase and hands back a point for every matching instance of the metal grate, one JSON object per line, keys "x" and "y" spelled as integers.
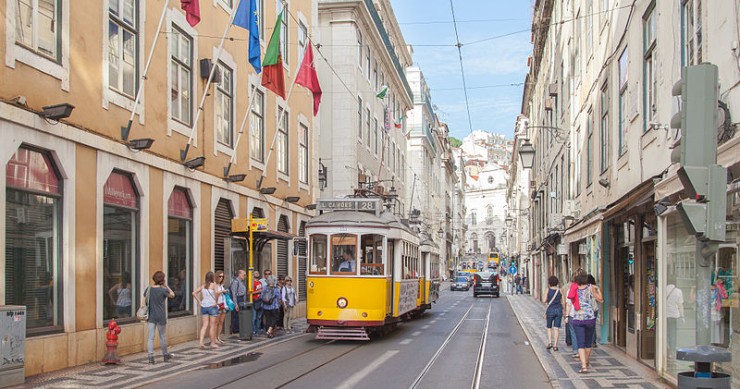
{"x": 282, "y": 248}
{"x": 222, "y": 230}
{"x": 302, "y": 260}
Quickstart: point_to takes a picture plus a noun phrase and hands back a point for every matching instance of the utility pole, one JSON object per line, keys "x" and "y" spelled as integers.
{"x": 703, "y": 179}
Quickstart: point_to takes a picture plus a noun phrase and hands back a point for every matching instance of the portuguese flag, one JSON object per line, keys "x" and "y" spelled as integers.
{"x": 272, "y": 65}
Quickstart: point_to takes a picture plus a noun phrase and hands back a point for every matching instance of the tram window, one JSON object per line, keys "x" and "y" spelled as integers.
{"x": 318, "y": 254}
{"x": 372, "y": 259}
{"x": 343, "y": 254}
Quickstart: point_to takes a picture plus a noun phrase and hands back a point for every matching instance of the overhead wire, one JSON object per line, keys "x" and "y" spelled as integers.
{"x": 462, "y": 68}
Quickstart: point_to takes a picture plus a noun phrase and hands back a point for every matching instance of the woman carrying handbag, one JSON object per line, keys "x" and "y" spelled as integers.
{"x": 554, "y": 312}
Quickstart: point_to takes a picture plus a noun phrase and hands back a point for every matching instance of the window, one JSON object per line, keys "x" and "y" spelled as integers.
{"x": 282, "y": 142}
{"x": 359, "y": 49}
{"x": 181, "y": 49}
{"x": 589, "y": 27}
{"x": 604, "y": 128}
{"x": 489, "y": 212}
{"x": 367, "y": 63}
{"x": 590, "y": 149}
{"x": 359, "y": 118}
{"x": 579, "y": 159}
{"x": 38, "y": 28}
{"x": 473, "y": 218}
{"x": 318, "y": 254}
{"x": 302, "y": 42}
{"x": 257, "y": 127}
{"x": 224, "y": 107}
{"x": 284, "y": 31}
{"x": 33, "y": 277}
{"x": 623, "y": 61}
{"x": 375, "y": 76}
{"x": 179, "y": 251}
{"x": 303, "y": 153}
{"x": 577, "y": 49}
{"x": 376, "y": 135}
{"x": 650, "y": 84}
{"x": 367, "y": 125}
{"x": 120, "y": 247}
{"x": 343, "y": 254}
{"x": 123, "y": 42}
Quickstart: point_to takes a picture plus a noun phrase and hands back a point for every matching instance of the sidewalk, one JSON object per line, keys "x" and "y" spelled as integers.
{"x": 134, "y": 371}
{"x": 611, "y": 368}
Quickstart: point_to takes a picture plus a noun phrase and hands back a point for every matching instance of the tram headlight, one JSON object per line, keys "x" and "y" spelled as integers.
{"x": 342, "y": 302}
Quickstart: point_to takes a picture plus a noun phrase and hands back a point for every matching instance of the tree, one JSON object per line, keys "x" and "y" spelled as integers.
{"x": 454, "y": 142}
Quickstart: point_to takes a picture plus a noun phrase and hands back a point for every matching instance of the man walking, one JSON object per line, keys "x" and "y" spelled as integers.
{"x": 238, "y": 291}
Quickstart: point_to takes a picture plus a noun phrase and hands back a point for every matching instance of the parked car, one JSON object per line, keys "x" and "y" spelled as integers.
{"x": 486, "y": 283}
{"x": 460, "y": 283}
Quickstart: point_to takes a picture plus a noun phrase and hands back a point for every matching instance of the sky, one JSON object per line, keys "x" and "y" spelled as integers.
{"x": 495, "y": 37}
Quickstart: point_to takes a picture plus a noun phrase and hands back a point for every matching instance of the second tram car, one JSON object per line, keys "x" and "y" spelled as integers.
{"x": 366, "y": 271}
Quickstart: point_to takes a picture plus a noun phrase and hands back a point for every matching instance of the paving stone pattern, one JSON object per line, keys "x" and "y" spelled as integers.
{"x": 610, "y": 367}
{"x": 134, "y": 371}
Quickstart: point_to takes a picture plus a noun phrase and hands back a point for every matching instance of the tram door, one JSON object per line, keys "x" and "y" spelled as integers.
{"x": 391, "y": 267}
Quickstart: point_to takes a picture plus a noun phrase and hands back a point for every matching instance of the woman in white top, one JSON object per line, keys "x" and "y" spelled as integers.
{"x": 208, "y": 308}
{"x": 287, "y": 294}
{"x": 220, "y": 303}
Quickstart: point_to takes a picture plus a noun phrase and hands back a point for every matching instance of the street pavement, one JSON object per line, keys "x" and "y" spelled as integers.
{"x": 611, "y": 368}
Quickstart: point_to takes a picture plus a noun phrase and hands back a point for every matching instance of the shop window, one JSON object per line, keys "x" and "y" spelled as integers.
{"x": 120, "y": 246}
{"x": 33, "y": 240}
{"x": 179, "y": 251}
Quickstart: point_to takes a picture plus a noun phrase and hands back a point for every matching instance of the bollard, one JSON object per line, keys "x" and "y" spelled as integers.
{"x": 111, "y": 353}
{"x": 703, "y": 376}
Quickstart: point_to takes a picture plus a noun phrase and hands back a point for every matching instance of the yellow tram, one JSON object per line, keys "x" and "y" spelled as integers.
{"x": 366, "y": 271}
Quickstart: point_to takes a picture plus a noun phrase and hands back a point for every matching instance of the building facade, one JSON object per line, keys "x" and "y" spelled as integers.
{"x": 596, "y": 108}
{"x": 87, "y": 217}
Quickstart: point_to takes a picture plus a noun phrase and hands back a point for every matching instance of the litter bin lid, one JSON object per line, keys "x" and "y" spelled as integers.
{"x": 703, "y": 354}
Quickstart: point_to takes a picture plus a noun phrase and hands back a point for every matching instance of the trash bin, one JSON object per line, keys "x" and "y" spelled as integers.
{"x": 703, "y": 376}
{"x": 245, "y": 321}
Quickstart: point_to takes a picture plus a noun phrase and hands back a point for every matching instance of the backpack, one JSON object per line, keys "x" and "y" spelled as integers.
{"x": 268, "y": 296}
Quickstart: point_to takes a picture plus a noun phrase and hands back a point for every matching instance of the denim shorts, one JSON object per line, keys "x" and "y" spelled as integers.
{"x": 209, "y": 311}
{"x": 553, "y": 320}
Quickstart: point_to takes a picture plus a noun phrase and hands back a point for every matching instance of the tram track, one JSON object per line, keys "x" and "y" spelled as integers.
{"x": 475, "y": 384}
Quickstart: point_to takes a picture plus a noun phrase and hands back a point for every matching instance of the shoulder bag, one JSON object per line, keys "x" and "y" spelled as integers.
{"x": 143, "y": 312}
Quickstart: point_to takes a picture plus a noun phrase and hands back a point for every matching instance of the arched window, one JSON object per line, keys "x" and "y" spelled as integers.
{"x": 179, "y": 251}
{"x": 120, "y": 246}
{"x": 33, "y": 200}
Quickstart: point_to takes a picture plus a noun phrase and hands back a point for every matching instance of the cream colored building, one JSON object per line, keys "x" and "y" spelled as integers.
{"x": 85, "y": 219}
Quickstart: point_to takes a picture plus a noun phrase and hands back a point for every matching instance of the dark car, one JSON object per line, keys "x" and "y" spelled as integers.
{"x": 460, "y": 283}
{"x": 486, "y": 283}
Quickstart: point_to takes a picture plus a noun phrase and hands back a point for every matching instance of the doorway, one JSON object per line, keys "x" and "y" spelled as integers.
{"x": 648, "y": 303}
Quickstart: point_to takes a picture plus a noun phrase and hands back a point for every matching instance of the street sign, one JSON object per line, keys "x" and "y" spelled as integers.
{"x": 512, "y": 270}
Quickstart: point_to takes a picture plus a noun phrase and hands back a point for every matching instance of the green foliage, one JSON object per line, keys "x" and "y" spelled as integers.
{"x": 454, "y": 142}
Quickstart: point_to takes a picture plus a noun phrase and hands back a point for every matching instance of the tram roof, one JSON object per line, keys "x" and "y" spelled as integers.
{"x": 386, "y": 219}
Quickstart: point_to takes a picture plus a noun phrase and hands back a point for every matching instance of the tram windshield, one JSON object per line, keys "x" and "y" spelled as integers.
{"x": 347, "y": 254}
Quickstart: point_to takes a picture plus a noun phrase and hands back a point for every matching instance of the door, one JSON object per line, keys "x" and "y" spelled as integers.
{"x": 648, "y": 305}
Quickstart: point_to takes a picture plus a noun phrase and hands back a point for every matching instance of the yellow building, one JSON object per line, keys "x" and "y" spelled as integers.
{"x": 86, "y": 218}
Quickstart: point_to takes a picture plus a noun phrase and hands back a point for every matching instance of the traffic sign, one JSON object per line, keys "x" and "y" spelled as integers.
{"x": 512, "y": 270}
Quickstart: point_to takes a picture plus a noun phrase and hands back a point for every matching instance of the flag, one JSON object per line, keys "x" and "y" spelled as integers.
{"x": 246, "y": 18}
{"x": 308, "y": 78}
{"x": 383, "y": 91}
{"x": 192, "y": 11}
{"x": 273, "y": 78}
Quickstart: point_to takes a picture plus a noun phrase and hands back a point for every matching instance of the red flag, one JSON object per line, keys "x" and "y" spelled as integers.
{"x": 308, "y": 78}
{"x": 192, "y": 11}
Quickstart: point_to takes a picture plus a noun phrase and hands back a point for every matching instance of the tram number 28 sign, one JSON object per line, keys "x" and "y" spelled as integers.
{"x": 367, "y": 205}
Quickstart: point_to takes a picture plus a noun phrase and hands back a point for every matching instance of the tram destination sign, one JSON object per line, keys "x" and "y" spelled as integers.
{"x": 366, "y": 205}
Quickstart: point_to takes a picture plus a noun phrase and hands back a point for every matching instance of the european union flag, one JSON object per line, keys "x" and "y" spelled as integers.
{"x": 246, "y": 18}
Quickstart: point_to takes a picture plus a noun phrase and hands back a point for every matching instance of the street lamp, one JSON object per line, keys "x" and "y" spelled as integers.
{"x": 526, "y": 153}
{"x": 508, "y": 221}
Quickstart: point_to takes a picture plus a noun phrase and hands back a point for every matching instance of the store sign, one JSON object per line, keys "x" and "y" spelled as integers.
{"x": 118, "y": 190}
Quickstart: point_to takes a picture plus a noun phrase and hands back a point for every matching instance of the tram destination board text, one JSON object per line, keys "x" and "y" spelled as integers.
{"x": 350, "y": 205}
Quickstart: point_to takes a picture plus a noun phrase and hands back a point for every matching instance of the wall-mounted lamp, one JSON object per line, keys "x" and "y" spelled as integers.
{"x": 235, "y": 178}
{"x": 526, "y": 153}
{"x": 311, "y": 207}
{"x": 268, "y": 190}
{"x": 508, "y": 221}
{"x": 140, "y": 144}
{"x": 604, "y": 182}
{"x": 57, "y": 111}
{"x": 292, "y": 199}
{"x": 195, "y": 162}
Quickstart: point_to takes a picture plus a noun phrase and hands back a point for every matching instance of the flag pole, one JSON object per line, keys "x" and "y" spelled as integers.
{"x": 277, "y": 129}
{"x": 125, "y": 130}
{"x": 184, "y": 153}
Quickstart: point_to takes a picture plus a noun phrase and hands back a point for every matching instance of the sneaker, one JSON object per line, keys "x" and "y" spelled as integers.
{"x": 150, "y": 359}
{"x": 168, "y": 356}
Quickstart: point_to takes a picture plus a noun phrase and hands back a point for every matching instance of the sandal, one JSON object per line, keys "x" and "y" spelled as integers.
{"x": 576, "y": 356}
{"x": 554, "y": 348}
{"x": 584, "y": 370}
{"x": 549, "y": 346}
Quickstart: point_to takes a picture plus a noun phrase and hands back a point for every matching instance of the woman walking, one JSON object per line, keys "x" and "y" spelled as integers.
{"x": 271, "y": 304}
{"x": 221, "y": 304}
{"x": 554, "y": 312}
{"x": 592, "y": 282}
{"x": 208, "y": 309}
{"x": 158, "y": 295}
{"x": 583, "y": 319}
{"x": 287, "y": 294}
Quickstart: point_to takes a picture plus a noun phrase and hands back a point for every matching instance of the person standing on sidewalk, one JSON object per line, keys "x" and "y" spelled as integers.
{"x": 583, "y": 319}
{"x": 592, "y": 282}
{"x": 554, "y": 312}
{"x": 257, "y": 303}
{"x": 287, "y": 294}
{"x": 239, "y": 291}
{"x": 208, "y": 309}
{"x": 221, "y": 304}
{"x": 569, "y": 309}
{"x": 158, "y": 295}
{"x": 270, "y": 303}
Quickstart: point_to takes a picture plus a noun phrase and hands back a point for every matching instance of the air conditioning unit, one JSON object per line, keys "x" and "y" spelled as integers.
{"x": 552, "y": 89}
{"x": 582, "y": 249}
{"x": 562, "y": 249}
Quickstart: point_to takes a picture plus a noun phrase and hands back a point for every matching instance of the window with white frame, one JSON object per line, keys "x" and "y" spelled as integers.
{"x": 257, "y": 127}
{"x": 579, "y": 158}
{"x": 37, "y": 26}
{"x": 224, "y": 101}
{"x": 590, "y": 149}
{"x": 302, "y": 42}
{"x": 375, "y": 76}
{"x": 359, "y": 49}
{"x": 367, "y": 63}
{"x": 650, "y": 28}
{"x": 123, "y": 44}
{"x": 623, "y": 62}
{"x": 577, "y": 48}
{"x": 303, "y": 153}
{"x": 181, "y": 51}
{"x": 284, "y": 31}
{"x": 376, "y": 135}
{"x": 589, "y": 27}
{"x": 359, "y": 118}
{"x": 368, "y": 131}
{"x": 604, "y": 128}
{"x": 282, "y": 141}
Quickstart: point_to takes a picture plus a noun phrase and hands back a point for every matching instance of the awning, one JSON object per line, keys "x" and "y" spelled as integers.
{"x": 634, "y": 197}
{"x": 584, "y": 229}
